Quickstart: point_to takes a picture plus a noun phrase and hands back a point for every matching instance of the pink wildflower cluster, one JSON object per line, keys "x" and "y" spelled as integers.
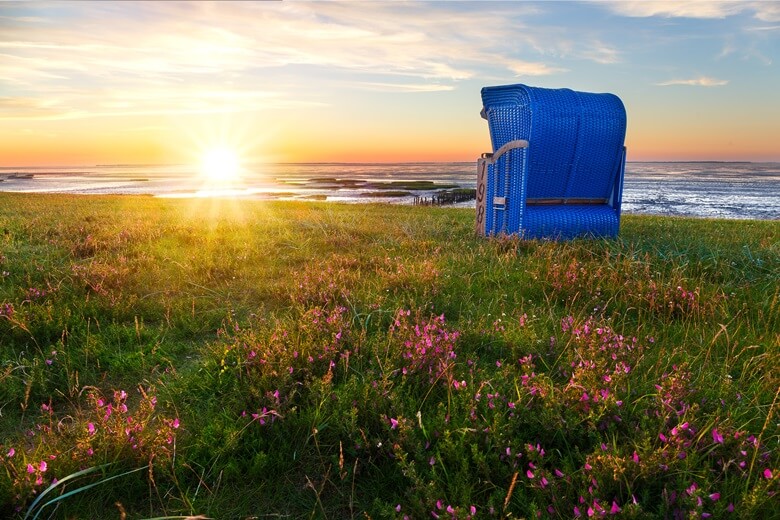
{"x": 600, "y": 364}
{"x": 7, "y": 310}
{"x": 322, "y": 285}
{"x": 442, "y": 510}
{"x": 537, "y": 387}
{"x": 115, "y": 428}
{"x": 567, "y": 277}
{"x": 428, "y": 346}
{"x": 677, "y": 301}
{"x": 102, "y": 278}
{"x": 694, "y": 502}
{"x": 674, "y": 392}
{"x": 33, "y": 294}
{"x": 400, "y": 274}
{"x": 671, "y": 300}
{"x": 319, "y": 340}
{"x": 112, "y": 425}
{"x": 263, "y": 416}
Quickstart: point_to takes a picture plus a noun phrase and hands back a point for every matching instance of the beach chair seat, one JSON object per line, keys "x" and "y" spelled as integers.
{"x": 557, "y": 166}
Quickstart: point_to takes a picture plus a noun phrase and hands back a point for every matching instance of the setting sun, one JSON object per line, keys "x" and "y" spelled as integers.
{"x": 220, "y": 166}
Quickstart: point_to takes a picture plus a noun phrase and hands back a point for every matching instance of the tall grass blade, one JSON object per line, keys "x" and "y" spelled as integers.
{"x": 79, "y": 490}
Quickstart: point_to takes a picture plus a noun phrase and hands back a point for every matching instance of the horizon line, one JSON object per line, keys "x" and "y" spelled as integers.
{"x": 126, "y": 165}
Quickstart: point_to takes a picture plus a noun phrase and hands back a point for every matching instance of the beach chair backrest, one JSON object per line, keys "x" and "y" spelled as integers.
{"x": 576, "y": 138}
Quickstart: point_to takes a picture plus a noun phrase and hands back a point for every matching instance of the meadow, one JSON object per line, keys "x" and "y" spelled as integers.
{"x": 167, "y": 358}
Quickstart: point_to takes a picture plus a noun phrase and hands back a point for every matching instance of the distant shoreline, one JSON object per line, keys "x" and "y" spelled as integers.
{"x": 407, "y": 163}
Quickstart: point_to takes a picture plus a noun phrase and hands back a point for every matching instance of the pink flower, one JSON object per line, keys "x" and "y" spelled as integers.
{"x": 30, "y": 469}
{"x": 715, "y": 497}
{"x": 717, "y": 437}
{"x": 11, "y": 453}
{"x": 635, "y": 457}
{"x": 529, "y": 474}
{"x": 175, "y": 423}
{"x": 767, "y": 473}
{"x": 559, "y": 473}
{"x": 393, "y": 423}
{"x": 398, "y": 508}
{"x": 43, "y": 466}
{"x": 91, "y": 428}
{"x": 615, "y": 508}
{"x": 577, "y": 512}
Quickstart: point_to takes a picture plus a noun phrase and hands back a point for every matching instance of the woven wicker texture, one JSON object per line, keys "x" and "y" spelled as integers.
{"x": 575, "y": 152}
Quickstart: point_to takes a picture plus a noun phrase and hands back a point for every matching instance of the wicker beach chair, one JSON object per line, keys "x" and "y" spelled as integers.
{"x": 557, "y": 165}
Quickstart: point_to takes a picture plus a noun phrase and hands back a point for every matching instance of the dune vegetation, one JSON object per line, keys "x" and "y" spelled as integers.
{"x": 244, "y": 359}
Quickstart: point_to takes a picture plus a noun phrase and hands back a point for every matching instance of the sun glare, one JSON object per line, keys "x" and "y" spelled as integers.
{"x": 220, "y": 166}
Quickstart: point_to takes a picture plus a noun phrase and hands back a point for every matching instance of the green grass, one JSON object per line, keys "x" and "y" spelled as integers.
{"x": 319, "y": 360}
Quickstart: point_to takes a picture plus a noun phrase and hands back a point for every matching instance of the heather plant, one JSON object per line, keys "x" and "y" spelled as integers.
{"x": 102, "y": 430}
{"x": 317, "y": 360}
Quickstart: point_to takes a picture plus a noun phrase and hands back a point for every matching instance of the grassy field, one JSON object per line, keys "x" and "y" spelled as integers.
{"x": 265, "y": 360}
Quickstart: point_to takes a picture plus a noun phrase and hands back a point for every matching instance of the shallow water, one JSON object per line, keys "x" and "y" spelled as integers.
{"x": 700, "y": 189}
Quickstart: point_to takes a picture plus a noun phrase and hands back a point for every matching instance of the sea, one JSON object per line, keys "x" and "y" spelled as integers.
{"x": 731, "y": 190}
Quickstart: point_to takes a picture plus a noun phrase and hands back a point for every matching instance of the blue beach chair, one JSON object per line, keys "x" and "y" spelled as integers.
{"x": 557, "y": 165}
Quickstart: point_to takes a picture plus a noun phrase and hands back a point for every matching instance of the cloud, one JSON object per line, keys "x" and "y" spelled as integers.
{"x": 764, "y": 28}
{"x": 526, "y": 68}
{"x": 31, "y": 108}
{"x": 702, "y": 81}
{"x": 400, "y": 87}
{"x": 601, "y": 53}
{"x": 767, "y": 11}
{"x": 666, "y": 9}
{"x": 761, "y": 10}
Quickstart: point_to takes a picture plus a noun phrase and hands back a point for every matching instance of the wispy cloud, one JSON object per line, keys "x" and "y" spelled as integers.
{"x": 600, "y": 52}
{"x": 665, "y": 8}
{"x": 767, "y": 11}
{"x": 402, "y": 87}
{"x": 527, "y": 68}
{"x": 702, "y": 81}
{"x": 764, "y": 28}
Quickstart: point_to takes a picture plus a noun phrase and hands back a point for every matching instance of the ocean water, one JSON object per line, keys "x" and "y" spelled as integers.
{"x": 699, "y": 189}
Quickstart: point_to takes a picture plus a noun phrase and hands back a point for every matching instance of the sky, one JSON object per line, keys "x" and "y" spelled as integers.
{"x": 85, "y": 83}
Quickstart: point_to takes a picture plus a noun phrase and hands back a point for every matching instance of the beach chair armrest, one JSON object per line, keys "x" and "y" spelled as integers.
{"x": 511, "y": 145}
